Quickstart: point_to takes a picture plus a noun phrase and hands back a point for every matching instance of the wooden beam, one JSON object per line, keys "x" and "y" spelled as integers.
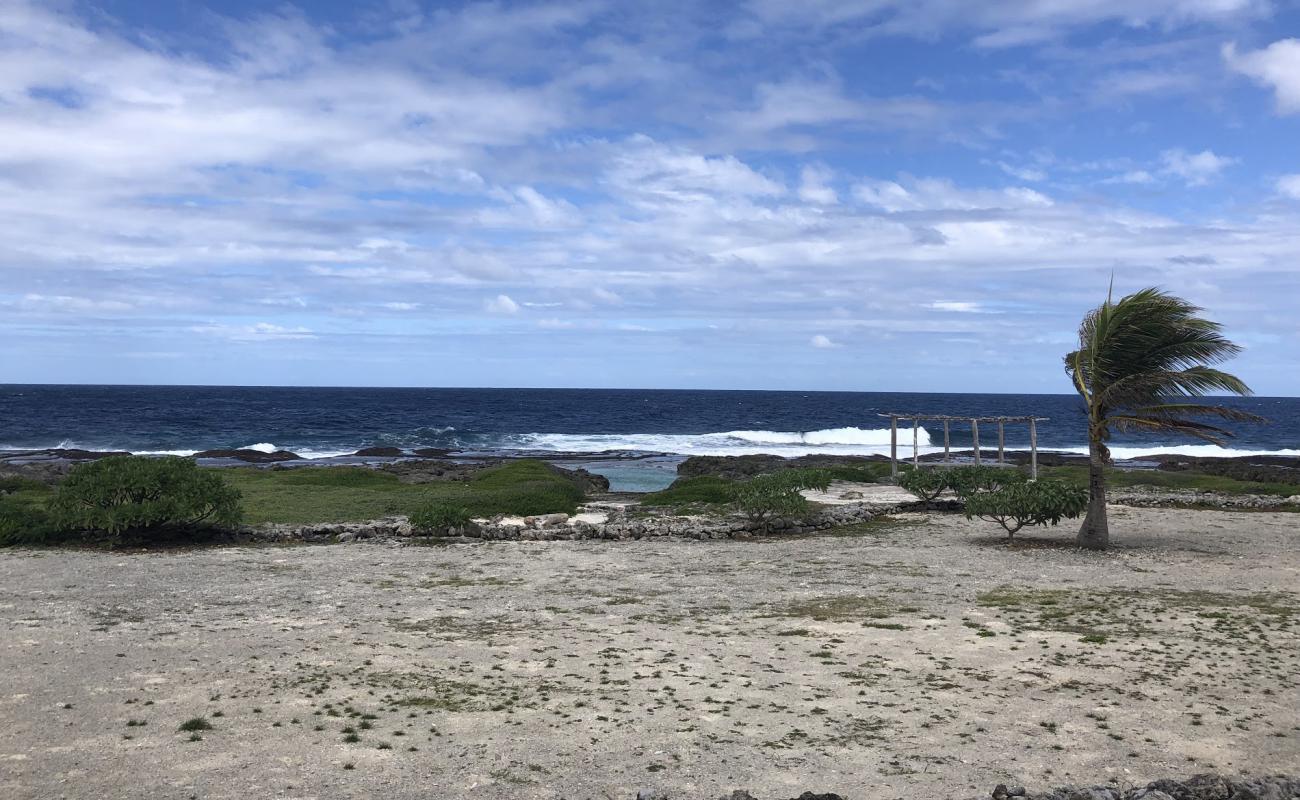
{"x": 893, "y": 447}
{"x": 1001, "y": 441}
{"x": 947, "y": 456}
{"x": 916, "y": 450}
{"x": 1033, "y": 449}
{"x": 975, "y": 437}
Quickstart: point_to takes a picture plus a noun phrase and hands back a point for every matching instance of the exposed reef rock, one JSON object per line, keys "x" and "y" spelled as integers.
{"x": 251, "y": 456}
{"x": 1199, "y": 787}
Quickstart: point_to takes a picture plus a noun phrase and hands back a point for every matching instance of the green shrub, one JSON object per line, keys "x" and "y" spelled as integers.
{"x": 797, "y": 479}
{"x": 776, "y": 495}
{"x": 701, "y": 490}
{"x": 12, "y": 484}
{"x": 966, "y": 481}
{"x": 132, "y": 493}
{"x": 926, "y": 484}
{"x": 438, "y": 517}
{"x": 519, "y": 488}
{"x": 1015, "y": 505}
{"x": 867, "y": 473}
{"x": 25, "y": 522}
{"x": 763, "y": 501}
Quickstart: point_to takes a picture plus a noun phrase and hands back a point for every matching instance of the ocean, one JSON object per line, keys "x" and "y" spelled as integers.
{"x": 333, "y": 422}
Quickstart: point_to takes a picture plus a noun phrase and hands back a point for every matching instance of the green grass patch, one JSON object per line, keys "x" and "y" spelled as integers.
{"x": 703, "y": 492}
{"x": 306, "y": 495}
{"x": 1124, "y": 478}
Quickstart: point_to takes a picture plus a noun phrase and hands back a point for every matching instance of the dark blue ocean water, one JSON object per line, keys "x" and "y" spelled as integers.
{"x": 330, "y": 421}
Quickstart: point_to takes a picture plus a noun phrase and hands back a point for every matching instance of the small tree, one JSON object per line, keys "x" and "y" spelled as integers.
{"x": 966, "y": 481}
{"x": 763, "y": 501}
{"x": 134, "y": 493}
{"x": 1031, "y": 503}
{"x": 926, "y": 484}
{"x": 776, "y": 495}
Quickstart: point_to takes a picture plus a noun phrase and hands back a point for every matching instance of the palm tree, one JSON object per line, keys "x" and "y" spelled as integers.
{"x": 1137, "y": 359}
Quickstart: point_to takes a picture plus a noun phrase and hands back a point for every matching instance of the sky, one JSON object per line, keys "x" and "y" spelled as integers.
{"x": 878, "y": 195}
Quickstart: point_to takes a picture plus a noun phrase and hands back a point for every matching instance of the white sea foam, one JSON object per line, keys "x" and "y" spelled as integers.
{"x": 831, "y": 441}
{"x": 1191, "y": 450}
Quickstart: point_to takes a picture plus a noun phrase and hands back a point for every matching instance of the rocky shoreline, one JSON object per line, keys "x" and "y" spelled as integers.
{"x": 618, "y": 524}
{"x": 1199, "y": 787}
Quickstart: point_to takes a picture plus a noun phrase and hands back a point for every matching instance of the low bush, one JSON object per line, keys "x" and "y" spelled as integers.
{"x": 123, "y": 494}
{"x": 926, "y": 484}
{"x": 867, "y": 473}
{"x": 701, "y": 490}
{"x": 764, "y": 501}
{"x": 797, "y": 479}
{"x": 967, "y": 481}
{"x": 1015, "y": 505}
{"x": 776, "y": 495}
{"x": 438, "y": 517}
{"x": 26, "y": 521}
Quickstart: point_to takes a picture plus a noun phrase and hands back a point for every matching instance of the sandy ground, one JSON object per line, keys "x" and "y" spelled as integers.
{"x": 920, "y": 655}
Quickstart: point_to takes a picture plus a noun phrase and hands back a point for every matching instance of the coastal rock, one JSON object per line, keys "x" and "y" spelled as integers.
{"x": 1150, "y": 497}
{"x": 251, "y": 456}
{"x": 1198, "y": 787}
{"x": 380, "y": 452}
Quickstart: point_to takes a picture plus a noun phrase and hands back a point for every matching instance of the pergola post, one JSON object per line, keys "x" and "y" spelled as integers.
{"x": 1001, "y": 441}
{"x": 916, "y": 450}
{"x": 946, "y": 455}
{"x": 1033, "y": 449}
{"x": 975, "y": 438}
{"x": 893, "y": 447}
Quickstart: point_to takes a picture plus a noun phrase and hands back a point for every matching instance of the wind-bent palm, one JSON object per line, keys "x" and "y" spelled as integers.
{"x": 1136, "y": 359}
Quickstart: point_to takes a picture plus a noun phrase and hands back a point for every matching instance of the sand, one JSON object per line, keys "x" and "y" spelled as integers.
{"x": 918, "y": 655}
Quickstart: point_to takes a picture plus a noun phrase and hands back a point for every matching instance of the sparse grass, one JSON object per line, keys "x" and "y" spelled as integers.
{"x": 845, "y": 608}
{"x": 195, "y": 724}
{"x": 305, "y": 495}
{"x": 701, "y": 493}
{"x": 1123, "y": 478}
{"x": 878, "y": 527}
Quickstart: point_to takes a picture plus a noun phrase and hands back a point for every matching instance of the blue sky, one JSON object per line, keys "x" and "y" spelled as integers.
{"x": 880, "y": 195}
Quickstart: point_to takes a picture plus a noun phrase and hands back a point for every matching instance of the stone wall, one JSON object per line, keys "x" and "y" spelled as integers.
{"x": 619, "y": 525}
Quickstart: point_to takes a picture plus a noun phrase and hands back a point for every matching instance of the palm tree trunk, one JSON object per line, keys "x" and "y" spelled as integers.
{"x": 1095, "y": 532}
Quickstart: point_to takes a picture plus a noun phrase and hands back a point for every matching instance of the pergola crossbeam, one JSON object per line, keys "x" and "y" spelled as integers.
{"x": 974, "y": 422}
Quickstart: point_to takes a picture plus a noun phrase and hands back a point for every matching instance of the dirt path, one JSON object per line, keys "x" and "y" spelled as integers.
{"x": 912, "y": 654}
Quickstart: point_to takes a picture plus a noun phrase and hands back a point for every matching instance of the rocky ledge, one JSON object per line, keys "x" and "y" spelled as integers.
{"x": 1172, "y": 498}
{"x": 1198, "y": 787}
{"x": 617, "y": 524}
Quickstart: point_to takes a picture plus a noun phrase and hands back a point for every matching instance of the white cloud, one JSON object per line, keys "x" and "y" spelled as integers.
{"x": 257, "y": 332}
{"x": 501, "y": 304}
{"x": 1136, "y": 176}
{"x": 1022, "y": 173}
{"x": 940, "y": 193}
{"x": 70, "y": 304}
{"x": 1196, "y": 169}
{"x": 1277, "y": 66}
{"x": 554, "y": 323}
{"x": 1289, "y": 185}
{"x": 401, "y": 306}
{"x": 1001, "y": 23}
{"x": 813, "y": 185}
{"x": 956, "y": 305}
{"x": 822, "y": 342}
{"x": 643, "y": 166}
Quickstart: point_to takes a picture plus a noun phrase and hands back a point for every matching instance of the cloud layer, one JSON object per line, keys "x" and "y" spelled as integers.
{"x": 870, "y": 195}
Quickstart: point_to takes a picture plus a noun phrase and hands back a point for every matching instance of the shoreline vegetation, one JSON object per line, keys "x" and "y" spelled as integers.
{"x": 35, "y": 509}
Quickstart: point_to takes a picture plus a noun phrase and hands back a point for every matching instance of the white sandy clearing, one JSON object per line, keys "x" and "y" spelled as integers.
{"x": 911, "y": 659}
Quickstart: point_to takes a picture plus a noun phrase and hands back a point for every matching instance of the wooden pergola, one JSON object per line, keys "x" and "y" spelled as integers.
{"x": 1001, "y": 422}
